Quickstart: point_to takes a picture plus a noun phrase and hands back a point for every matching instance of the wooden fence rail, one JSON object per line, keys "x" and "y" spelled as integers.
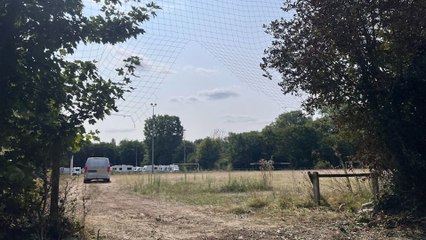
{"x": 315, "y": 176}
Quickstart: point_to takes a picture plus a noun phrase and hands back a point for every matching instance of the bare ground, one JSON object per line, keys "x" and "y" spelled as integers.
{"x": 114, "y": 213}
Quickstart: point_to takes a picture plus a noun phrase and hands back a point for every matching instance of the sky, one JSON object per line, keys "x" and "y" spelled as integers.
{"x": 200, "y": 62}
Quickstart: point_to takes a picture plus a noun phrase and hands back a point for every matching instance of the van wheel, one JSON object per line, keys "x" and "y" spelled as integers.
{"x": 108, "y": 180}
{"x": 86, "y": 181}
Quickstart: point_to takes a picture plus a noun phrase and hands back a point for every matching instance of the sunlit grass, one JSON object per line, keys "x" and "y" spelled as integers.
{"x": 242, "y": 192}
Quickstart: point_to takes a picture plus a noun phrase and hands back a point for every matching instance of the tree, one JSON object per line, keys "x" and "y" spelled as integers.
{"x": 168, "y": 134}
{"x": 185, "y": 150}
{"x": 290, "y": 139}
{"x": 208, "y": 152}
{"x": 102, "y": 149}
{"x": 245, "y": 148}
{"x": 334, "y": 147}
{"x": 291, "y": 119}
{"x": 296, "y": 144}
{"x": 365, "y": 61}
{"x": 46, "y": 97}
{"x": 131, "y": 152}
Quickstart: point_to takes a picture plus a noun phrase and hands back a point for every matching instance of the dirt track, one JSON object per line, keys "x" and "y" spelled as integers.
{"x": 118, "y": 214}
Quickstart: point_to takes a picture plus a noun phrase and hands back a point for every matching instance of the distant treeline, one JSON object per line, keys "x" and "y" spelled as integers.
{"x": 293, "y": 138}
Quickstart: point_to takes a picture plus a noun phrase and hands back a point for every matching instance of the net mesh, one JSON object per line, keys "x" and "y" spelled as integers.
{"x": 231, "y": 31}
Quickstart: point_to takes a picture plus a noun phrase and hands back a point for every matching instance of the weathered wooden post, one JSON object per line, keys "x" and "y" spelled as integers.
{"x": 375, "y": 184}
{"x": 314, "y": 177}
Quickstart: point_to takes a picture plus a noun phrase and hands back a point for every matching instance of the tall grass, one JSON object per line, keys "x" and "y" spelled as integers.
{"x": 242, "y": 192}
{"x": 245, "y": 184}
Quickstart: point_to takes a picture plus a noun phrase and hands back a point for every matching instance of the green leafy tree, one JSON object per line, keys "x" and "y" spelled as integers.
{"x": 297, "y": 144}
{"x": 334, "y": 147}
{"x": 46, "y": 97}
{"x": 131, "y": 152}
{"x": 185, "y": 150}
{"x": 168, "y": 132}
{"x": 102, "y": 149}
{"x": 245, "y": 148}
{"x": 208, "y": 152}
{"x": 282, "y": 142}
{"x": 365, "y": 61}
{"x": 291, "y": 119}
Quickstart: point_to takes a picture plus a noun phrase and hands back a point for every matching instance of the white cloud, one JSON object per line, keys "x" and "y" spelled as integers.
{"x": 208, "y": 95}
{"x": 217, "y": 94}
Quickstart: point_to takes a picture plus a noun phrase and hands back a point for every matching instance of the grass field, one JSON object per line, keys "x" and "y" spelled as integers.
{"x": 231, "y": 205}
{"x": 240, "y": 192}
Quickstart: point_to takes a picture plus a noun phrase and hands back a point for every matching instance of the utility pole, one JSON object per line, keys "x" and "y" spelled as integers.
{"x": 184, "y": 147}
{"x": 152, "y": 137}
{"x": 72, "y": 164}
{"x": 136, "y": 158}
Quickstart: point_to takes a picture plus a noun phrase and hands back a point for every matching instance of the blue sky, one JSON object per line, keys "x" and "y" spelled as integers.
{"x": 200, "y": 63}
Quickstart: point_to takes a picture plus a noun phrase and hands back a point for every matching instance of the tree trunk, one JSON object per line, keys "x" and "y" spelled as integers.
{"x": 54, "y": 198}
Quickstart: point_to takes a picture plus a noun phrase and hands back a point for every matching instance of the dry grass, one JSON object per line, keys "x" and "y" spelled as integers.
{"x": 195, "y": 206}
{"x": 245, "y": 191}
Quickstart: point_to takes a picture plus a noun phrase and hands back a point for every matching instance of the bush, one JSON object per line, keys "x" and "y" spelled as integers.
{"x": 321, "y": 164}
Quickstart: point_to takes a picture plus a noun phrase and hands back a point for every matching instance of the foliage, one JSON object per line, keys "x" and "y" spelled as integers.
{"x": 208, "y": 152}
{"x": 335, "y": 146}
{"x": 185, "y": 150}
{"x": 123, "y": 153}
{"x": 301, "y": 141}
{"x": 365, "y": 61}
{"x": 168, "y": 133}
{"x": 322, "y": 165}
{"x": 46, "y": 98}
{"x": 102, "y": 149}
{"x": 131, "y": 152}
{"x": 296, "y": 145}
{"x": 293, "y": 137}
{"x": 245, "y": 148}
{"x": 293, "y": 118}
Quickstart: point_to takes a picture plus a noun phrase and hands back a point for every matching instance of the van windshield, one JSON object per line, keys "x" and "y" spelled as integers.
{"x": 97, "y": 162}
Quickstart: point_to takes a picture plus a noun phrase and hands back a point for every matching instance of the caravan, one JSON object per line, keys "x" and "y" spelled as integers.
{"x": 122, "y": 168}
{"x": 74, "y": 171}
{"x": 161, "y": 168}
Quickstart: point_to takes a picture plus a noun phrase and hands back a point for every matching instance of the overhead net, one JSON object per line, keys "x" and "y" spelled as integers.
{"x": 231, "y": 31}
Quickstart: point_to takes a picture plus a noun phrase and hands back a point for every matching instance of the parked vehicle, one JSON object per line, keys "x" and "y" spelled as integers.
{"x": 64, "y": 170}
{"x": 148, "y": 168}
{"x": 122, "y": 168}
{"x": 137, "y": 169}
{"x": 160, "y": 168}
{"x": 67, "y": 171}
{"x": 76, "y": 170}
{"x": 97, "y": 168}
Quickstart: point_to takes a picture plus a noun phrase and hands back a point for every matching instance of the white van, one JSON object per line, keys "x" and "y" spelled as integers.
{"x": 97, "y": 168}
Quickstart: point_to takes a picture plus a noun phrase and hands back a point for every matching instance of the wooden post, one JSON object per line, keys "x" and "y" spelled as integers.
{"x": 314, "y": 177}
{"x": 375, "y": 185}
